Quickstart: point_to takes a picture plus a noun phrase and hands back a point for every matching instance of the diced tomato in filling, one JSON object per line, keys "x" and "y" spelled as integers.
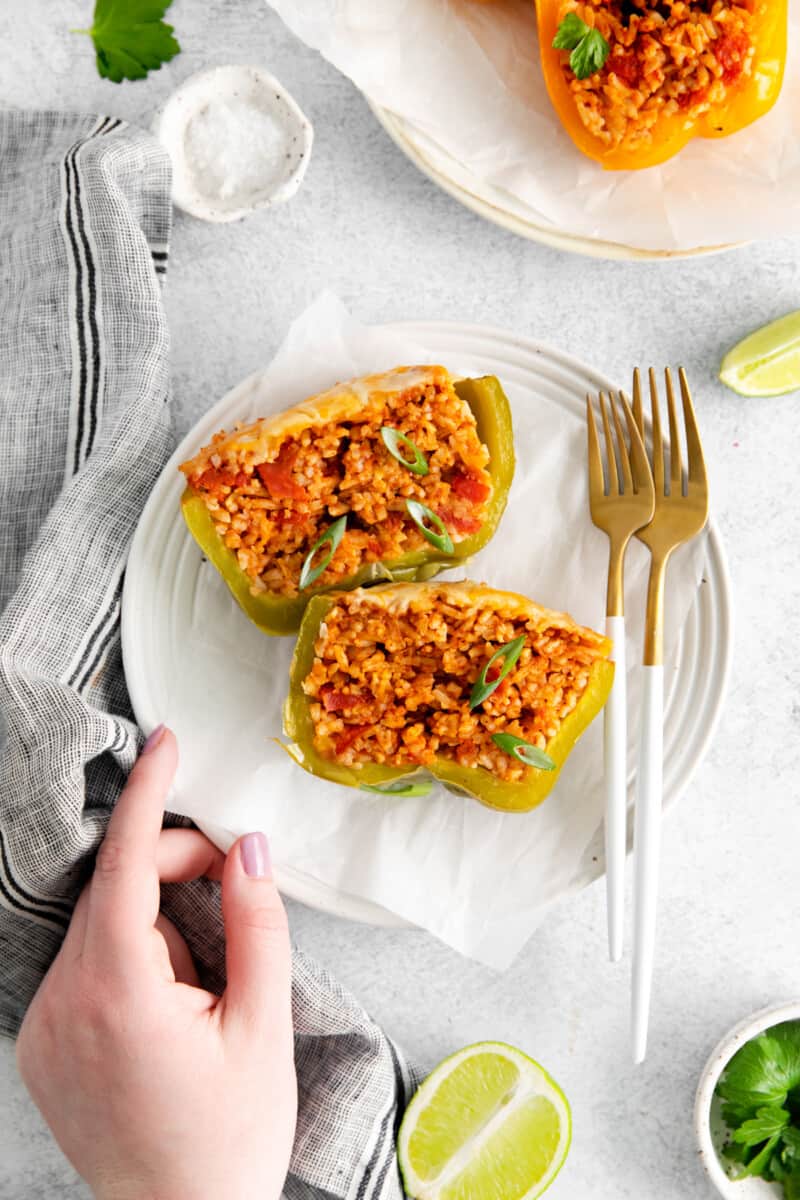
{"x": 459, "y": 524}
{"x": 345, "y": 739}
{"x": 214, "y": 478}
{"x": 288, "y": 516}
{"x": 492, "y": 674}
{"x": 469, "y": 487}
{"x": 731, "y": 51}
{"x": 335, "y": 701}
{"x": 625, "y": 67}
{"x": 465, "y": 524}
{"x": 689, "y": 99}
{"x": 277, "y": 476}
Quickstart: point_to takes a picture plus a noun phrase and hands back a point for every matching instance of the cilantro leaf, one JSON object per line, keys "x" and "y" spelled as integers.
{"x": 570, "y": 32}
{"x": 765, "y": 1124}
{"x": 735, "y": 1152}
{"x": 760, "y": 1091}
{"x": 775, "y": 1169}
{"x": 761, "y": 1073}
{"x": 130, "y": 38}
{"x": 589, "y": 48}
{"x": 590, "y": 55}
{"x": 791, "y": 1145}
{"x": 758, "y": 1165}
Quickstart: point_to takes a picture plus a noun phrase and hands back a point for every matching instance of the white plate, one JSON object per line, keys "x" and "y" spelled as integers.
{"x": 164, "y": 564}
{"x": 500, "y": 207}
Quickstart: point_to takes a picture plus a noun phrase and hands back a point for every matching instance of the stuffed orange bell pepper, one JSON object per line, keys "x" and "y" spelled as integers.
{"x": 634, "y": 80}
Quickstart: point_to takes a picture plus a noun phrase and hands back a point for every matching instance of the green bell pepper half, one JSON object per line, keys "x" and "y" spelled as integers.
{"x": 475, "y": 781}
{"x": 275, "y": 614}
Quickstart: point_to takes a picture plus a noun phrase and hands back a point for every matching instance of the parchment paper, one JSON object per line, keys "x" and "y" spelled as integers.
{"x": 478, "y": 879}
{"x": 467, "y": 74}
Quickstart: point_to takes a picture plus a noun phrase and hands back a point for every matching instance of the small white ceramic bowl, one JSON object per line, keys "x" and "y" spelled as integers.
{"x": 708, "y": 1123}
{"x": 234, "y": 89}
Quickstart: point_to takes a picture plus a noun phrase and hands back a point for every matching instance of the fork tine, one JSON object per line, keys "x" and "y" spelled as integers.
{"x": 694, "y": 449}
{"x": 622, "y": 446}
{"x": 658, "y": 444}
{"x": 640, "y": 467}
{"x": 613, "y": 480}
{"x": 675, "y": 459}
{"x": 638, "y": 414}
{"x": 597, "y": 485}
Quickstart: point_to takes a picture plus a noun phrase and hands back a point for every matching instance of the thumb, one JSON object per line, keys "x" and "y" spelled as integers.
{"x": 258, "y": 953}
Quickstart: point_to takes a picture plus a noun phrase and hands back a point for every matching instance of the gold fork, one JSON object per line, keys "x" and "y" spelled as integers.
{"x": 621, "y": 501}
{"x": 681, "y": 511}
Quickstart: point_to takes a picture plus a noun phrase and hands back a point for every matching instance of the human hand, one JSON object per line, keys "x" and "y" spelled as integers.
{"x": 154, "y": 1088}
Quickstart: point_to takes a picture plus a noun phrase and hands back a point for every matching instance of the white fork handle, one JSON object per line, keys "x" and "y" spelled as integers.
{"x": 646, "y": 853}
{"x": 615, "y": 756}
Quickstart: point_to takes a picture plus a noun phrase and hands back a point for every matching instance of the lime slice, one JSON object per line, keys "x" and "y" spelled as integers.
{"x": 487, "y": 1124}
{"x": 767, "y": 363}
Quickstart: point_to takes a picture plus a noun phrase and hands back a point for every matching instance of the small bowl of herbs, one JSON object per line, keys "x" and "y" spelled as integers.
{"x": 747, "y": 1112}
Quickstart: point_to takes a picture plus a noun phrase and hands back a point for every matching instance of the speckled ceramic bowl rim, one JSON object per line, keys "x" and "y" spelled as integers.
{"x": 719, "y": 1058}
{"x": 188, "y": 197}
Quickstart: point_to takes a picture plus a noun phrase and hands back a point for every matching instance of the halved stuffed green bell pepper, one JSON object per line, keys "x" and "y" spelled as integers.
{"x": 354, "y": 713}
{"x": 269, "y": 463}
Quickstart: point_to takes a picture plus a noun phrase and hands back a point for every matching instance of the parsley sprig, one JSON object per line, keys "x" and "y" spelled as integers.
{"x": 760, "y": 1093}
{"x": 131, "y": 38}
{"x": 589, "y": 48}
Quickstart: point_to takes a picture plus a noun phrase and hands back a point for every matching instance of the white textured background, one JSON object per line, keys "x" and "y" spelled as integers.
{"x": 369, "y": 226}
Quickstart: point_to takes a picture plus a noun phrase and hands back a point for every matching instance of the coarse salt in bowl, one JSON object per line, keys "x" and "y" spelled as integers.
{"x": 237, "y": 140}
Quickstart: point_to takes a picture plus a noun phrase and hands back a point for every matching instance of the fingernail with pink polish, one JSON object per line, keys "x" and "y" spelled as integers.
{"x": 254, "y": 849}
{"x": 154, "y": 738}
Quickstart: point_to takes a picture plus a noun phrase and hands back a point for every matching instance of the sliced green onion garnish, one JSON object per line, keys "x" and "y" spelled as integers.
{"x": 532, "y": 756}
{"x": 393, "y": 439}
{"x": 400, "y": 787}
{"x": 483, "y": 687}
{"x": 438, "y": 536}
{"x": 331, "y": 538}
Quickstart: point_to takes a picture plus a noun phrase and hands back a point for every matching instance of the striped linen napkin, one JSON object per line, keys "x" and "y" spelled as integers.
{"x": 84, "y": 401}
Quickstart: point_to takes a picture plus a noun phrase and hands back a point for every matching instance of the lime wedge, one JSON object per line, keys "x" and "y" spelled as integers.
{"x": 767, "y": 363}
{"x": 487, "y": 1124}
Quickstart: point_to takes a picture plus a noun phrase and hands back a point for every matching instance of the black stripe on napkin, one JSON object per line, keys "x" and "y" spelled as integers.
{"x": 68, "y": 220}
{"x": 120, "y": 739}
{"x": 384, "y": 1153}
{"x": 15, "y": 905}
{"x": 105, "y": 645}
{"x": 92, "y": 354}
{"x": 62, "y": 907}
{"x": 99, "y": 634}
{"x": 71, "y": 186}
{"x": 89, "y": 344}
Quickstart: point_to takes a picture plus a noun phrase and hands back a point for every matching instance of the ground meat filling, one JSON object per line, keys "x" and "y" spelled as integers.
{"x": 272, "y": 512}
{"x": 675, "y": 56}
{"x": 393, "y": 687}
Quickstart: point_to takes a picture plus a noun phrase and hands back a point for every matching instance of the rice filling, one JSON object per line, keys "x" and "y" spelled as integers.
{"x": 392, "y": 683}
{"x": 674, "y": 57}
{"x": 272, "y": 499}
